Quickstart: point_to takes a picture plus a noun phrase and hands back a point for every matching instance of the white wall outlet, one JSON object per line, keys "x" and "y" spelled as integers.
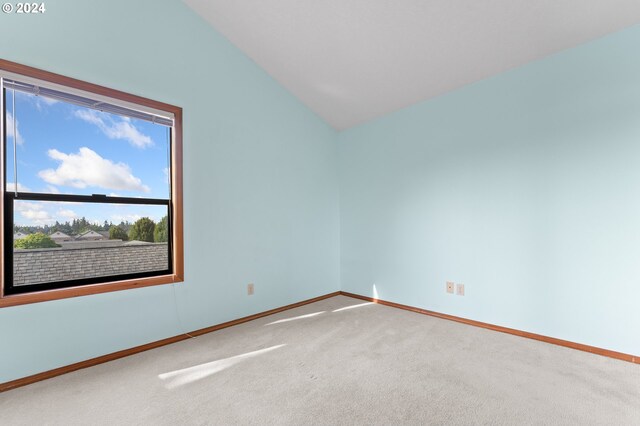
{"x": 250, "y": 289}
{"x": 450, "y": 286}
{"x": 460, "y": 289}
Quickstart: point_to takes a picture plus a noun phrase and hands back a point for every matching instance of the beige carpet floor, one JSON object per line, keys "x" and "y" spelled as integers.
{"x": 340, "y": 361}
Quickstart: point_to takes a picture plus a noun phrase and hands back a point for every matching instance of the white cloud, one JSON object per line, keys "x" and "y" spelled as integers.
{"x": 51, "y": 190}
{"x": 117, "y": 218}
{"x": 37, "y": 216}
{"x": 20, "y": 139}
{"x": 11, "y": 187}
{"x": 34, "y": 212}
{"x": 87, "y": 168}
{"x": 115, "y": 129}
{"x": 41, "y": 102}
{"x": 124, "y": 217}
{"x": 47, "y": 101}
{"x": 27, "y": 205}
{"x": 166, "y": 174}
{"x": 67, "y": 214}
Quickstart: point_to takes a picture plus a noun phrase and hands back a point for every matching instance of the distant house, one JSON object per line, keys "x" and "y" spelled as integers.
{"x": 60, "y": 237}
{"x": 19, "y": 235}
{"x": 91, "y": 236}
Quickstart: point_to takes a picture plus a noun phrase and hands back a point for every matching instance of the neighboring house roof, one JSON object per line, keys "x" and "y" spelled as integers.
{"x": 19, "y": 235}
{"x": 136, "y": 243}
{"x": 58, "y": 235}
{"x": 90, "y": 235}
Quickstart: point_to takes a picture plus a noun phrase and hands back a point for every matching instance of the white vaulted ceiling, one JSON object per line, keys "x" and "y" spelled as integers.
{"x": 353, "y": 60}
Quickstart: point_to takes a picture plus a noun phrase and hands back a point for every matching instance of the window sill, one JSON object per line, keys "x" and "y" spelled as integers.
{"x": 65, "y": 293}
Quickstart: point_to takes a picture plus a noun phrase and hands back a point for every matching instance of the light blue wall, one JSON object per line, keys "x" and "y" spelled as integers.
{"x": 525, "y": 187}
{"x": 261, "y": 191}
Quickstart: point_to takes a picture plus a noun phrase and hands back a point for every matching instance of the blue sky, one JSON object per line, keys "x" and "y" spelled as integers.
{"x": 63, "y": 148}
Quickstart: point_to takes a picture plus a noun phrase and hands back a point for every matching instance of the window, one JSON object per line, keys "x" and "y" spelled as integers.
{"x": 91, "y": 188}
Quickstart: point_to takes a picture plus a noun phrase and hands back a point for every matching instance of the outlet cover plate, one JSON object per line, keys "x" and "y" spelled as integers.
{"x": 450, "y": 286}
{"x": 460, "y": 289}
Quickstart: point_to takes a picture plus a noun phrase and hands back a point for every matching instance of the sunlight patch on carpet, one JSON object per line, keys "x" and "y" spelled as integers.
{"x": 198, "y": 372}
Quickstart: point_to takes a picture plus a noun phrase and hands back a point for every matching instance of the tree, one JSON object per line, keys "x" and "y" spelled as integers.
{"x": 117, "y": 233}
{"x": 34, "y": 241}
{"x": 126, "y": 226}
{"x": 161, "y": 233}
{"x": 142, "y": 230}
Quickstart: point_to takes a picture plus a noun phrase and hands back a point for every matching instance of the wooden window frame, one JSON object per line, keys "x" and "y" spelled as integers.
{"x": 177, "y": 274}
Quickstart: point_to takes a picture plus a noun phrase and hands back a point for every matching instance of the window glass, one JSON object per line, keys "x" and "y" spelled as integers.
{"x": 68, "y": 149}
{"x": 53, "y": 242}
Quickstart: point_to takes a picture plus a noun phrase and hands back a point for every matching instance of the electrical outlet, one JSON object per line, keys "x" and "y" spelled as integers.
{"x": 250, "y": 289}
{"x": 450, "y": 287}
{"x": 460, "y": 289}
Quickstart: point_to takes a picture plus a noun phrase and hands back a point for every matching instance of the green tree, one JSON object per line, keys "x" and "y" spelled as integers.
{"x": 142, "y": 230}
{"x": 34, "y": 241}
{"x": 117, "y": 233}
{"x": 161, "y": 233}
